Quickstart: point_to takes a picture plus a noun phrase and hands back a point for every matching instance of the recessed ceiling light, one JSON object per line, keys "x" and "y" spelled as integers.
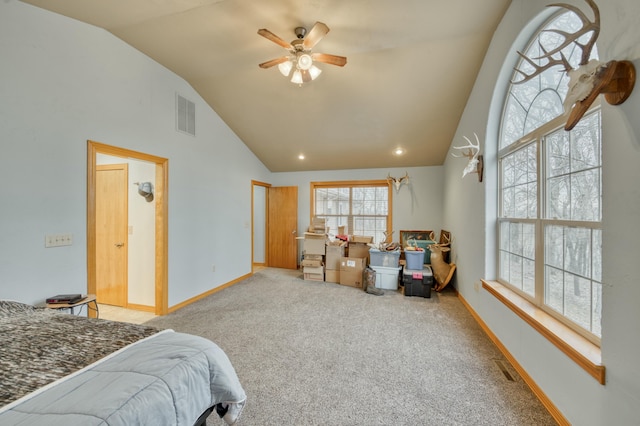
{"x": 301, "y": 157}
{"x": 398, "y": 151}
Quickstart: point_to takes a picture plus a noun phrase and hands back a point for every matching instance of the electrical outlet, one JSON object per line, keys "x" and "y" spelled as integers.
{"x": 476, "y": 286}
{"x": 213, "y": 268}
{"x": 58, "y": 240}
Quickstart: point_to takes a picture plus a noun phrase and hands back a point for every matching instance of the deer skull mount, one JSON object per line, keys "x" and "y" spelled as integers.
{"x": 397, "y": 182}
{"x": 614, "y": 79}
{"x": 476, "y": 162}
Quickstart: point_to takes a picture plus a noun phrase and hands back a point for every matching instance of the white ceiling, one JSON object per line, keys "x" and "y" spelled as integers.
{"x": 410, "y": 67}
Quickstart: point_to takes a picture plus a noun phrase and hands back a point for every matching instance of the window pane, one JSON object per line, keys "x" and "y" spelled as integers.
{"x": 577, "y": 251}
{"x": 596, "y": 309}
{"x": 554, "y": 246}
{"x": 558, "y": 198}
{"x": 578, "y": 300}
{"x": 515, "y": 269}
{"x": 528, "y": 278}
{"x": 554, "y": 289}
{"x": 596, "y": 257}
{"x": 504, "y": 266}
{"x": 508, "y": 202}
{"x": 515, "y": 238}
{"x": 519, "y": 183}
{"x": 585, "y": 195}
{"x": 558, "y": 153}
{"x": 585, "y": 146}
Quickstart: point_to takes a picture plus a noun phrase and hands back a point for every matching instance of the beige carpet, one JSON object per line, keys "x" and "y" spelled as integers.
{"x": 314, "y": 353}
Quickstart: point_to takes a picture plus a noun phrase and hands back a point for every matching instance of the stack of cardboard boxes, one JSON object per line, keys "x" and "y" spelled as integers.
{"x": 334, "y": 261}
{"x": 314, "y": 250}
{"x": 352, "y": 266}
{"x": 335, "y": 250}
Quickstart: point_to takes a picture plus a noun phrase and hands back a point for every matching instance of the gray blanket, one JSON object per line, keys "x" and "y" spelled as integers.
{"x": 166, "y": 378}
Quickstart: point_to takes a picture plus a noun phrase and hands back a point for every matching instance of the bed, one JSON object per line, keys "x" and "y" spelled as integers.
{"x": 61, "y": 369}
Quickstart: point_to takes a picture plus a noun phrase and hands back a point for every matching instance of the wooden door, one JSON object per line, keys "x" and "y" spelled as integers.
{"x": 282, "y": 227}
{"x": 111, "y": 234}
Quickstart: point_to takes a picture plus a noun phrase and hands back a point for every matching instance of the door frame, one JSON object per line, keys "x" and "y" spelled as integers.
{"x": 161, "y": 219}
{"x": 255, "y": 183}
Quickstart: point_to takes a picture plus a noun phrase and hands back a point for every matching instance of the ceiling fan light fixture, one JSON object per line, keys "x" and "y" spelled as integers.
{"x": 304, "y": 61}
{"x": 298, "y": 65}
{"x": 314, "y": 72}
{"x": 297, "y": 77}
{"x": 285, "y": 68}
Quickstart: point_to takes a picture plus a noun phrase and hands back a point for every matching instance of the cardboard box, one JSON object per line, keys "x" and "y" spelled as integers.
{"x": 314, "y": 263}
{"x": 313, "y": 277}
{"x": 359, "y": 250}
{"x": 332, "y": 276}
{"x": 334, "y": 252}
{"x": 361, "y": 239}
{"x": 351, "y": 271}
{"x": 313, "y": 273}
{"x": 314, "y": 243}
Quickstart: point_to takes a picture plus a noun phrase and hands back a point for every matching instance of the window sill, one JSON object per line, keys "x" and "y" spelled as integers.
{"x": 584, "y": 353}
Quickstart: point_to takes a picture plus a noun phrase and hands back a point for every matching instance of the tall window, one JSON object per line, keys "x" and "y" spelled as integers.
{"x": 363, "y": 208}
{"x": 550, "y": 191}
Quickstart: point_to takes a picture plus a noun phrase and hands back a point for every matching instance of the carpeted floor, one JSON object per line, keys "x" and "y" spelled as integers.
{"x": 314, "y": 353}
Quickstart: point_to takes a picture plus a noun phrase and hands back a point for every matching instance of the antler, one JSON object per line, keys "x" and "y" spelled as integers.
{"x": 472, "y": 150}
{"x": 587, "y": 26}
{"x": 539, "y": 69}
{"x": 398, "y": 181}
{"x": 475, "y": 164}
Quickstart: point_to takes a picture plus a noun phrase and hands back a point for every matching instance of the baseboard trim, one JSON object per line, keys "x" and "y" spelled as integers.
{"x": 208, "y": 293}
{"x": 142, "y": 308}
{"x": 542, "y": 397}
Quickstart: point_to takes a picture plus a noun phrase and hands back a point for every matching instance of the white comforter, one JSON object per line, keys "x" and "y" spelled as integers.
{"x": 166, "y": 379}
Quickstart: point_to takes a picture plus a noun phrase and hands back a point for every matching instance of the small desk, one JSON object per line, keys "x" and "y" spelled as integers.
{"x": 89, "y": 298}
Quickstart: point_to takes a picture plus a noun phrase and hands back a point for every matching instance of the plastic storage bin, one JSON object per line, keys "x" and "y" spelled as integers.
{"x": 414, "y": 258}
{"x": 390, "y": 259}
{"x": 386, "y": 277}
{"x": 417, "y": 282}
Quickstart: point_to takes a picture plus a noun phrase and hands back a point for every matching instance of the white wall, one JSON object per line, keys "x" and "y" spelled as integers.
{"x": 577, "y": 395}
{"x": 417, "y": 205}
{"x": 62, "y": 83}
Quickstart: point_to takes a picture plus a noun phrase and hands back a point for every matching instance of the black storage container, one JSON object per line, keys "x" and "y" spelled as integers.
{"x": 417, "y": 282}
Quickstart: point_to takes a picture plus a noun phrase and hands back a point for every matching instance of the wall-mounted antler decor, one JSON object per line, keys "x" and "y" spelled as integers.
{"x": 614, "y": 79}
{"x": 397, "y": 182}
{"x": 476, "y": 162}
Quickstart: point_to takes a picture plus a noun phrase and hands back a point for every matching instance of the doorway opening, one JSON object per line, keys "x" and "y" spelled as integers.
{"x": 274, "y": 226}
{"x": 160, "y": 228}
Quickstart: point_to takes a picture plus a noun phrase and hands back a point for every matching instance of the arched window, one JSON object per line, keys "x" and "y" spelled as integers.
{"x": 550, "y": 191}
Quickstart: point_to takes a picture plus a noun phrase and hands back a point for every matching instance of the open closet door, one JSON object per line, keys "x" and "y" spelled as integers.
{"x": 283, "y": 227}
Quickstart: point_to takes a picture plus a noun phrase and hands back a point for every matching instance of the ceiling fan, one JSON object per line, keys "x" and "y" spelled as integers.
{"x": 300, "y": 59}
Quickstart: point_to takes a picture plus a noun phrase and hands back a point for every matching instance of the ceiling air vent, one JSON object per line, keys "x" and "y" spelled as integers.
{"x": 185, "y": 115}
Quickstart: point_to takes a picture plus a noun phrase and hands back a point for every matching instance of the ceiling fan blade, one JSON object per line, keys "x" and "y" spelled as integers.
{"x": 329, "y": 59}
{"x": 273, "y": 62}
{"x": 318, "y": 31}
{"x": 274, "y": 38}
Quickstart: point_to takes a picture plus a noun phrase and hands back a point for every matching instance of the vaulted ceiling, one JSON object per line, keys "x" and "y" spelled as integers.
{"x": 411, "y": 65}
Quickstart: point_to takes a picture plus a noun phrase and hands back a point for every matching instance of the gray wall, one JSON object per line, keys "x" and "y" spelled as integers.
{"x": 470, "y": 209}
{"x": 63, "y": 82}
{"x": 417, "y": 205}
